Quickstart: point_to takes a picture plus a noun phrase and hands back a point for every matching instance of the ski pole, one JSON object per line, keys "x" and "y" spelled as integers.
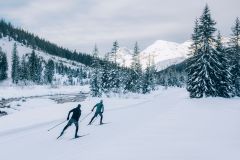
{"x": 56, "y": 125}
{"x": 85, "y": 117}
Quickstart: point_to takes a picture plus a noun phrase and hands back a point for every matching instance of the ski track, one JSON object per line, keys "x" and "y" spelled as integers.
{"x": 158, "y": 127}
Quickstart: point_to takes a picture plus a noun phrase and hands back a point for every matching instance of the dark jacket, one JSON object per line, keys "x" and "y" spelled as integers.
{"x": 76, "y": 113}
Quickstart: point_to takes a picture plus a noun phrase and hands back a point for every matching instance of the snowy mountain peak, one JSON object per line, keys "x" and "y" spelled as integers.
{"x": 164, "y": 43}
{"x": 164, "y": 54}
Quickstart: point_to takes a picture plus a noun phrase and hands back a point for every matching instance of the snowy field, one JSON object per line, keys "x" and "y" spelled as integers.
{"x": 165, "y": 125}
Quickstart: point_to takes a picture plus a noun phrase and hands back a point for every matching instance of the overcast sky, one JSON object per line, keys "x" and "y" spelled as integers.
{"x": 79, "y": 24}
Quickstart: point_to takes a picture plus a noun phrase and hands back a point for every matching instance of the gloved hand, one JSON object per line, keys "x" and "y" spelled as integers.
{"x": 67, "y": 118}
{"x": 92, "y": 110}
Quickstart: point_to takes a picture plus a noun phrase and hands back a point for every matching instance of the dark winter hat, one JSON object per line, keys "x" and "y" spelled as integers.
{"x": 79, "y": 105}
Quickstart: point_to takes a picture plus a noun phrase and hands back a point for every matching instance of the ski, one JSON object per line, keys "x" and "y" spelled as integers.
{"x": 79, "y": 136}
{"x": 102, "y": 124}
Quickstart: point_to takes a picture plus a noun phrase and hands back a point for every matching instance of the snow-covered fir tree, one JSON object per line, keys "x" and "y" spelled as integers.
{"x": 115, "y": 75}
{"x": 149, "y": 77}
{"x": 146, "y": 81}
{"x": 3, "y": 65}
{"x": 113, "y": 54}
{"x": 205, "y": 68}
{"x": 195, "y": 38}
{"x": 24, "y": 70}
{"x": 153, "y": 71}
{"x": 15, "y": 64}
{"x": 234, "y": 52}
{"x": 105, "y": 78}
{"x": 95, "y": 80}
{"x": 35, "y": 68}
{"x": 194, "y": 87}
{"x": 49, "y": 72}
{"x": 225, "y": 84}
{"x": 114, "y": 71}
{"x": 135, "y": 78}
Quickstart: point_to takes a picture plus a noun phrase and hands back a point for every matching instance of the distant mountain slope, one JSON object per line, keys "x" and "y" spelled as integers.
{"x": 163, "y": 53}
{"x": 72, "y": 71}
{"x": 32, "y": 41}
{"x": 124, "y": 56}
{"x": 7, "y": 43}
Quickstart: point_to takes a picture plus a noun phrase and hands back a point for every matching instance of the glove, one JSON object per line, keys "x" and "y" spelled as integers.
{"x": 92, "y": 110}
{"x": 67, "y": 118}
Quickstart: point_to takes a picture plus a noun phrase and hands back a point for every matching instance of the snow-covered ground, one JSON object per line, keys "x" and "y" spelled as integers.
{"x": 163, "y": 125}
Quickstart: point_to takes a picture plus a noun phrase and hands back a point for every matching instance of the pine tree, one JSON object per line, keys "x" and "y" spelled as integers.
{"x": 192, "y": 86}
{"x": 39, "y": 70}
{"x": 35, "y": 68}
{"x": 115, "y": 75}
{"x": 105, "y": 78}
{"x": 49, "y": 71}
{"x": 225, "y": 85}
{"x": 24, "y": 70}
{"x": 146, "y": 81}
{"x": 32, "y": 66}
{"x": 135, "y": 79}
{"x": 95, "y": 81}
{"x": 195, "y": 38}
{"x": 15, "y": 64}
{"x": 149, "y": 78}
{"x": 204, "y": 70}
{"x": 111, "y": 76}
{"x": 152, "y": 74}
{"x": 114, "y": 51}
{"x": 234, "y": 53}
{"x": 3, "y": 65}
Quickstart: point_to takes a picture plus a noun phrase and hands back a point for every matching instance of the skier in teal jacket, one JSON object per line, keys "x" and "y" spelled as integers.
{"x": 99, "y": 111}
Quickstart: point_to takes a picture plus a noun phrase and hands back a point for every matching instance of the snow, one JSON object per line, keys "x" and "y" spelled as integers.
{"x": 124, "y": 56}
{"x": 164, "y": 53}
{"x": 165, "y": 124}
{"x": 7, "y": 46}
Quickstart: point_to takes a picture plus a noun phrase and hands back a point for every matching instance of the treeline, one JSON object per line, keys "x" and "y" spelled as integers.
{"x": 173, "y": 76}
{"x": 111, "y": 78}
{"x": 214, "y": 68}
{"x": 32, "y": 69}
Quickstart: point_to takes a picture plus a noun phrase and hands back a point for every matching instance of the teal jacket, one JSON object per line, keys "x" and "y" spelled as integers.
{"x": 99, "y": 108}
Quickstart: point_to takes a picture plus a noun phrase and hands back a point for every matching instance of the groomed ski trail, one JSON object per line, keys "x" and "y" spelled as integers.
{"x": 167, "y": 125}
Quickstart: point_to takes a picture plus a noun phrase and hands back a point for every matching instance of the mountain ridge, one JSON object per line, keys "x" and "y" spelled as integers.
{"x": 164, "y": 54}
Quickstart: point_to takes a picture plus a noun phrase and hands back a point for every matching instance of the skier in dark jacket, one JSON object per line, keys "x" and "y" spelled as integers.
{"x": 76, "y": 113}
{"x": 99, "y": 111}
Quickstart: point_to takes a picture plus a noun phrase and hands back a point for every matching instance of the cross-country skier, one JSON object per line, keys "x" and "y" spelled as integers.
{"x": 76, "y": 113}
{"x": 99, "y": 111}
